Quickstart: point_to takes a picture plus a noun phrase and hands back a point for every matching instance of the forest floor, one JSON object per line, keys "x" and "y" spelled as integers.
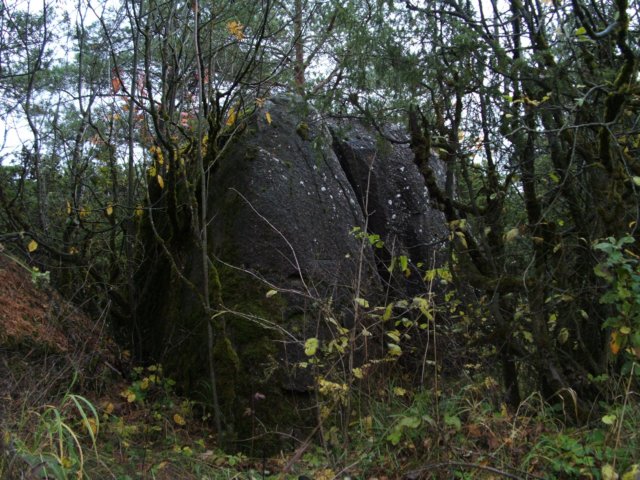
{"x": 72, "y": 405}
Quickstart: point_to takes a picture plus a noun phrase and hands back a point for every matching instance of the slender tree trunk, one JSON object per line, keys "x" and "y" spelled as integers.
{"x": 299, "y": 66}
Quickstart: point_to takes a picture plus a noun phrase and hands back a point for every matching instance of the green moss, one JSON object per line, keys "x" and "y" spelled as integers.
{"x": 227, "y": 367}
{"x": 303, "y": 130}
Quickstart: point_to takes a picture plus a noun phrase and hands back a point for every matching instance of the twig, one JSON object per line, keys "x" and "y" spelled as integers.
{"x": 442, "y": 465}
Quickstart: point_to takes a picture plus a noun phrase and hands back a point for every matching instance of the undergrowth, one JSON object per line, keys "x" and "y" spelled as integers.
{"x": 144, "y": 430}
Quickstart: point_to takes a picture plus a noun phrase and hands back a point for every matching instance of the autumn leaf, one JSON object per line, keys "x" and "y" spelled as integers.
{"x": 160, "y": 181}
{"x": 109, "y": 210}
{"x": 179, "y": 419}
{"x": 68, "y": 207}
{"x": 231, "y": 119}
{"x": 138, "y": 211}
{"x": 116, "y": 84}
{"x": 394, "y": 350}
{"x": 615, "y": 343}
{"x": 236, "y": 29}
{"x": 268, "y": 117}
{"x": 33, "y": 246}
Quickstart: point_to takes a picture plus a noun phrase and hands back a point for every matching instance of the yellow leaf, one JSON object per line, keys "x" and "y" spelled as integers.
{"x": 563, "y": 336}
{"x": 633, "y": 473}
{"x": 91, "y": 425}
{"x": 362, "y": 302}
{"x": 236, "y": 29}
{"x": 394, "y": 350}
{"x": 33, "y": 246}
{"x": 152, "y": 171}
{"x": 260, "y": 102}
{"x": 109, "y": 210}
{"x": 68, "y": 207}
{"x": 387, "y": 312}
{"x": 231, "y": 119}
{"x": 131, "y": 397}
{"x": 268, "y": 117}
{"x": 625, "y": 330}
{"x": 109, "y": 408}
{"x": 399, "y": 391}
{"x": 311, "y": 346}
{"x": 271, "y": 293}
{"x": 394, "y": 335}
{"x": 512, "y": 234}
{"x": 462, "y": 238}
{"x": 160, "y": 181}
{"x": 138, "y": 211}
{"x": 83, "y": 213}
{"x": 615, "y": 343}
{"x": 357, "y": 372}
{"x": 179, "y": 419}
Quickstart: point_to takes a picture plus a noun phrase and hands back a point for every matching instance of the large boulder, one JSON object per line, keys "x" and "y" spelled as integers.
{"x": 283, "y": 211}
{"x": 283, "y": 206}
{"x": 393, "y": 195}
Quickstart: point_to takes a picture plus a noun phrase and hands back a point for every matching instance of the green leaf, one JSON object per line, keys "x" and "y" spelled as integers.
{"x": 410, "y": 422}
{"x": 453, "y": 421}
{"x": 404, "y": 262}
{"x": 387, "y": 312}
{"x": 362, "y": 302}
{"x": 609, "y": 419}
{"x": 608, "y": 472}
{"x": 394, "y": 335}
{"x": 311, "y": 346}
{"x": 394, "y": 350}
{"x": 580, "y": 31}
{"x": 271, "y": 293}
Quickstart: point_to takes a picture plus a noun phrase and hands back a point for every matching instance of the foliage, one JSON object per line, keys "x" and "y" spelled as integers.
{"x": 621, "y": 270}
